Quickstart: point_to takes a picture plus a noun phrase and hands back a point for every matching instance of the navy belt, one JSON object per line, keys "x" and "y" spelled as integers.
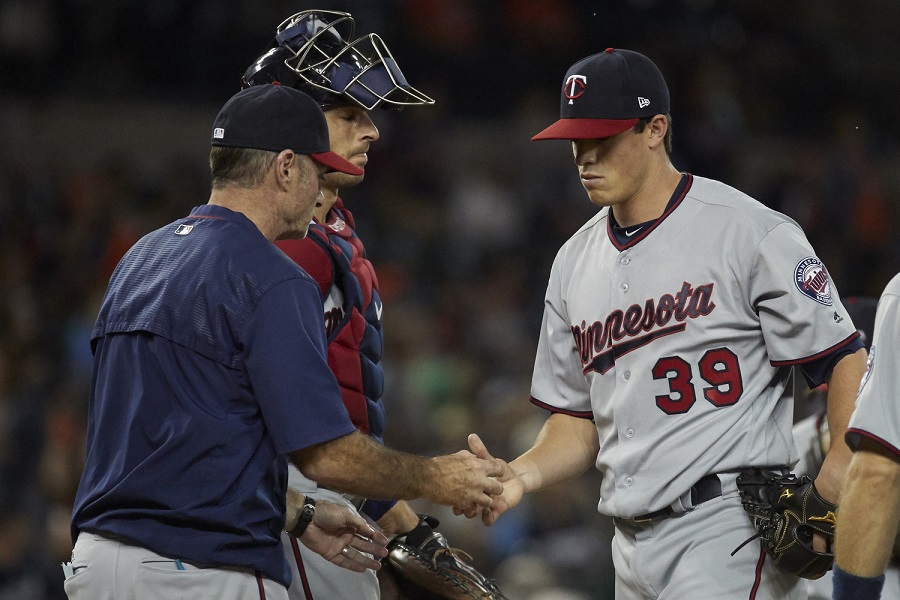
{"x": 707, "y": 488}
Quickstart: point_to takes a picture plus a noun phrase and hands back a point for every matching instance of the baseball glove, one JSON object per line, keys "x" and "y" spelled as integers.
{"x": 425, "y": 567}
{"x": 785, "y": 511}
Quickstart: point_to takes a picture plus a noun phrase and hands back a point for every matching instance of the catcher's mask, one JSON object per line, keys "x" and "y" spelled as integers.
{"x": 314, "y": 51}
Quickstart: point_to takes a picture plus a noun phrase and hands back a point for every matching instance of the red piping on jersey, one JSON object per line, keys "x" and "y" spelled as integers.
{"x": 874, "y": 438}
{"x": 202, "y": 217}
{"x": 572, "y": 413}
{"x": 260, "y": 586}
{"x": 758, "y": 580}
{"x": 304, "y": 581}
{"x": 686, "y": 182}
{"x": 800, "y": 361}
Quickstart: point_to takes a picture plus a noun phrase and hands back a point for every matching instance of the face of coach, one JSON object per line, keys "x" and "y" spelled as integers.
{"x": 270, "y": 150}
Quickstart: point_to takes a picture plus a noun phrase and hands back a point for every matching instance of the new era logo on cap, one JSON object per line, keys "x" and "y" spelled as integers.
{"x": 624, "y": 87}
{"x": 218, "y": 133}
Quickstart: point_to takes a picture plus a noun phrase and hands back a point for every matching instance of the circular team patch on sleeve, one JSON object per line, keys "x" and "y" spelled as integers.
{"x": 812, "y": 279}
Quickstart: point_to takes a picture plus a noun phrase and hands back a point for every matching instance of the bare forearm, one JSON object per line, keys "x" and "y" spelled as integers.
{"x": 842, "y": 388}
{"x": 868, "y": 514}
{"x": 565, "y": 448}
{"x": 356, "y": 464}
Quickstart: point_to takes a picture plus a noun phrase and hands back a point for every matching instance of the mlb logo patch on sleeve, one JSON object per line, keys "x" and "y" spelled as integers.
{"x": 812, "y": 279}
{"x": 183, "y": 229}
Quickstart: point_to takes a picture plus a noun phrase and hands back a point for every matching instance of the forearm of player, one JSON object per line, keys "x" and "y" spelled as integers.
{"x": 356, "y": 464}
{"x": 869, "y": 512}
{"x": 565, "y": 448}
{"x": 843, "y": 385}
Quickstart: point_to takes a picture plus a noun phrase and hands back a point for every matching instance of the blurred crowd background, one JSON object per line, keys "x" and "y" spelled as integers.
{"x": 105, "y": 111}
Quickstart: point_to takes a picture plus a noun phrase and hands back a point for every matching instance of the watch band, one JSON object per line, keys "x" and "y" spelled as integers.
{"x": 307, "y": 512}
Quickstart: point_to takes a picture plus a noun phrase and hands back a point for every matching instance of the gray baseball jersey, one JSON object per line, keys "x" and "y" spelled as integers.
{"x": 877, "y": 414}
{"x": 680, "y": 342}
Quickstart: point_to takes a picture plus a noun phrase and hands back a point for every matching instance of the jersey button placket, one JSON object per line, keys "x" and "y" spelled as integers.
{"x": 623, "y": 261}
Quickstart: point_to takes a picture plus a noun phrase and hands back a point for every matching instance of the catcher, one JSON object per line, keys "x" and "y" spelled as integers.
{"x": 316, "y": 52}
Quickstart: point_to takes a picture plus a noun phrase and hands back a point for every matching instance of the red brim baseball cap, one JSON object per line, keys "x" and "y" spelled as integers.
{"x": 605, "y": 94}
{"x": 275, "y": 118}
{"x": 580, "y": 129}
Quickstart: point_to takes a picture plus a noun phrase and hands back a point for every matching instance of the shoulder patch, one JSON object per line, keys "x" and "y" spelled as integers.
{"x": 811, "y": 278}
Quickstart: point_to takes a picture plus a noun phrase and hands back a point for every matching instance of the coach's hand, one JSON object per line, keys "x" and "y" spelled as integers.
{"x": 343, "y": 537}
{"x": 465, "y": 481}
{"x": 513, "y": 487}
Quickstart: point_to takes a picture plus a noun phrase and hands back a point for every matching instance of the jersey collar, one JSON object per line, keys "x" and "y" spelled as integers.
{"x": 619, "y": 235}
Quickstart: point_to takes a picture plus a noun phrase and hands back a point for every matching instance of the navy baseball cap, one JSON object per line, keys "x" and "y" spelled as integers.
{"x": 605, "y": 94}
{"x": 275, "y": 118}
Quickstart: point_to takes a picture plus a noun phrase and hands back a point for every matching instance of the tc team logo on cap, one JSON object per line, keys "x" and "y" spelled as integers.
{"x": 812, "y": 279}
{"x": 575, "y": 86}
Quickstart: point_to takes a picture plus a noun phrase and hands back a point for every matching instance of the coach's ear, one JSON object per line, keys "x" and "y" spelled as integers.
{"x": 284, "y": 165}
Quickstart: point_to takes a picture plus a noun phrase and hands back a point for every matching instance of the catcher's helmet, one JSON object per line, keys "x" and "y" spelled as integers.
{"x": 314, "y": 51}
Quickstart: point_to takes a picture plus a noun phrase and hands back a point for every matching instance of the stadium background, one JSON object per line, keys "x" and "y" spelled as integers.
{"x": 105, "y": 109}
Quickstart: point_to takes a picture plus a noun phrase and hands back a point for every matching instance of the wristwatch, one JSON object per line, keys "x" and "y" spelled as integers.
{"x": 307, "y": 512}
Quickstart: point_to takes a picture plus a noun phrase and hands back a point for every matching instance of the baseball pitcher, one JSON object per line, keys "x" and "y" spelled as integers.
{"x": 674, "y": 323}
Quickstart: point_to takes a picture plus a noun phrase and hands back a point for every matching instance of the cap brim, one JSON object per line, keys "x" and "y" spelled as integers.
{"x": 585, "y": 129}
{"x": 336, "y": 163}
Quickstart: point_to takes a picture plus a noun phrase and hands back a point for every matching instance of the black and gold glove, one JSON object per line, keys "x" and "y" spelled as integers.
{"x": 785, "y": 511}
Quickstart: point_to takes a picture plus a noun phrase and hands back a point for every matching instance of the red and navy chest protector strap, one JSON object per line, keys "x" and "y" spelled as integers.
{"x": 334, "y": 255}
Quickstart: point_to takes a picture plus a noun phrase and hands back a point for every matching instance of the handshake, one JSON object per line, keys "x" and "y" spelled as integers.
{"x": 472, "y": 482}
{"x": 420, "y": 562}
{"x": 479, "y": 484}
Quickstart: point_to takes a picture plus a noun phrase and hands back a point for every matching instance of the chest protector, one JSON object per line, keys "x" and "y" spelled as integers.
{"x": 334, "y": 256}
